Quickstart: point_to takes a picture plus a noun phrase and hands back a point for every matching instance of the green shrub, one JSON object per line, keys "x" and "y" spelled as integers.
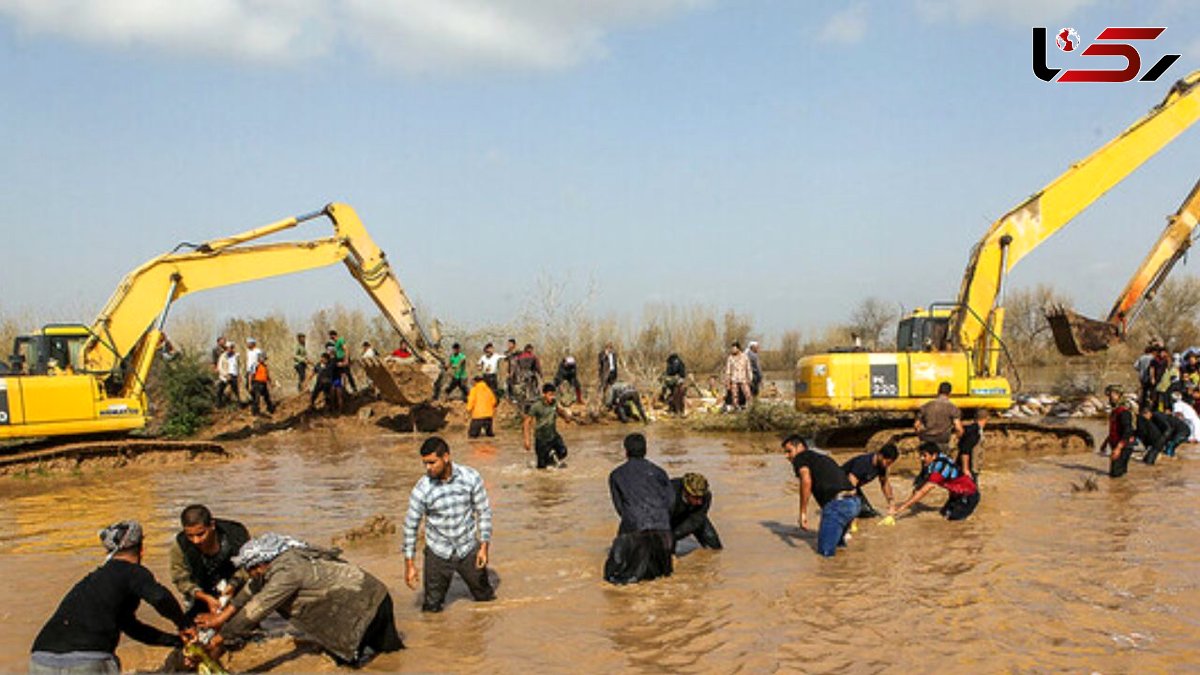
{"x": 188, "y": 385}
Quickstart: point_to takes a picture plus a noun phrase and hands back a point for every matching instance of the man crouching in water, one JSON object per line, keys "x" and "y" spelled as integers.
{"x": 938, "y": 469}
{"x": 82, "y": 635}
{"x": 343, "y": 608}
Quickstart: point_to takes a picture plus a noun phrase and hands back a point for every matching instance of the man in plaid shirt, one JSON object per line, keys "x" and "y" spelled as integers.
{"x": 458, "y": 527}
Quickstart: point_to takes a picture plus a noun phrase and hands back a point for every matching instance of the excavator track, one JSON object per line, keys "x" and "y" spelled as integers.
{"x": 36, "y": 453}
{"x": 872, "y": 431}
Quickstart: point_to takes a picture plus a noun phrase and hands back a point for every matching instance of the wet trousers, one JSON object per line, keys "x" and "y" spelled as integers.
{"x": 639, "y": 556}
{"x": 549, "y": 450}
{"x": 1120, "y": 465}
{"x": 958, "y": 507}
{"x": 482, "y": 425}
{"x": 836, "y": 518}
{"x": 440, "y": 571}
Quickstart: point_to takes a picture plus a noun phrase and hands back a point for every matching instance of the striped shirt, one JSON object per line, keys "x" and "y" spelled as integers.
{"x": 452, "y": 509}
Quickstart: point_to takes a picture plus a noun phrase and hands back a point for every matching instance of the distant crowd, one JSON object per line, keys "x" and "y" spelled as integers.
{"x": 516, "y": 375}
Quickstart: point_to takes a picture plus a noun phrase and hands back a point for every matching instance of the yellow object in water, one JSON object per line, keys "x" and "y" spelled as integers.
{"x": 205, "y": 664}
{"x": 888, "y": 520}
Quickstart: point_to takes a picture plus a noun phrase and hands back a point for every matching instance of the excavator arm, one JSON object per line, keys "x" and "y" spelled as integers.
{"x": 1076, "y": 335}
{"x": 978, "y": 319}
{"x": 127, "y": 332}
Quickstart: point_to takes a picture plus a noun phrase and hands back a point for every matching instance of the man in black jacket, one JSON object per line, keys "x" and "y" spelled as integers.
{"x": 641, "y": 493}
{"x": 202, "y": 557}
{"x": 689, "y": 511}
{"x": 83, "y": 633}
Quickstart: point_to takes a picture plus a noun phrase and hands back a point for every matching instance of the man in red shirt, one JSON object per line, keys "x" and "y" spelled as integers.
{"x": 939, "y": 470}
{"x": 1120, "y": 432}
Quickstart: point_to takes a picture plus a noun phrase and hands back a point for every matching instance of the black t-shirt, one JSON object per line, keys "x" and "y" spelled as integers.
{"x": 863, "y": 468}
{"x": 971, "y": 436}
{"x": 828, "y": 479}
{"x": 103, "y": 605}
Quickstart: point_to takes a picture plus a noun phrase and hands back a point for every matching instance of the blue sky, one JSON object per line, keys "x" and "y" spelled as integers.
{"x": 784, "y": 159}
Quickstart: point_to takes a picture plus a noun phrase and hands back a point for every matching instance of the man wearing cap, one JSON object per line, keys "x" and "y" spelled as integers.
{"x": 1121, "y": 432}
{"x": 202, "y": 557}
{"x": 689, "y": 511}
{"x": 340, "y": 606}
{"x": 253, "y": 354}
{"x": 822, "y": 478}
{"x": 82, "y": 635}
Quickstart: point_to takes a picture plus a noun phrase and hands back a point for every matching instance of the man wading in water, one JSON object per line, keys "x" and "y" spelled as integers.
{"x": 1120, "y": 432}
{"x": 458, "y": 527}
{"x": 540, "y": 429}
{"x": 821, "y": 477}
{"x": 642, "y": 496}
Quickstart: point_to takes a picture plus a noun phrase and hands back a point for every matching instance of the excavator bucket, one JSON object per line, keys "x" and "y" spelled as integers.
{"x": 1077, "y": 335}
{"x": 401, "y": 381}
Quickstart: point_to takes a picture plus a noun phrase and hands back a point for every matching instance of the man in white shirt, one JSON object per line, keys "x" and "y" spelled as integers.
{"x": 252, "y": 354}
{"x": 489, "y": 367}
{"x": 228, "y": 371}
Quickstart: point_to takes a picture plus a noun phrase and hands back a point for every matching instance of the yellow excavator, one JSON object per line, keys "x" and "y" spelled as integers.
{"x": 960, "y": 342}
{"x": 1077, "y": 335}
{"x": 85, "y": 380}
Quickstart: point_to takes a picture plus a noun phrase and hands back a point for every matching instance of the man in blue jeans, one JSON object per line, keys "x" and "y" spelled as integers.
{"x": 821, "y": 477}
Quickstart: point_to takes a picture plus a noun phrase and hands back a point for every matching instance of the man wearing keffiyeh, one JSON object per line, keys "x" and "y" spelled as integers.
{"x": 82, "y": 635}
{"x": 345, "y": 609}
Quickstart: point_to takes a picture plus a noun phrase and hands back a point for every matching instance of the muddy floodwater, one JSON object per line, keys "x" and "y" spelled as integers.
{"x": 1041, "y": 578}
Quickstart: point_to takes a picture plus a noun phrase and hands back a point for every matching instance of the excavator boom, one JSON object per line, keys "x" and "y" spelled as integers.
{"x": 1077, "y": 335}
{"x": 978, "y": 322}
{"x": 100, "y": 387}
{"x": 960, "y": 343}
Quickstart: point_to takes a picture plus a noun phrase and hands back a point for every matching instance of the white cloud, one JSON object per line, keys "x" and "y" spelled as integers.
{"x": 1021, "y": 12}
{"x": 846, "y": 27}
{"x": 415, "y": 35}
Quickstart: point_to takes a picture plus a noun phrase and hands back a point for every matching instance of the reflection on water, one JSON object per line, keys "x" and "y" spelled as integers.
{"x": 1041, "y": 578}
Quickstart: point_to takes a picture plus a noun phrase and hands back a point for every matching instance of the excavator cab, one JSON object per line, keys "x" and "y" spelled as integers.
{"x": 55, "y": 350}
{"x": 925, "y": 330}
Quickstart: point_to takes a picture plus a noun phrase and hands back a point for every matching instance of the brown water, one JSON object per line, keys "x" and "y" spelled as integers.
{"x": 1040, "y": 579}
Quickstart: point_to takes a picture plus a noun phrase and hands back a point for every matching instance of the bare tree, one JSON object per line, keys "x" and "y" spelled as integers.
{"x": 1026, "y": 332}
{"x": 1172, "y": 315}
{"x": 869, "y": 320}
